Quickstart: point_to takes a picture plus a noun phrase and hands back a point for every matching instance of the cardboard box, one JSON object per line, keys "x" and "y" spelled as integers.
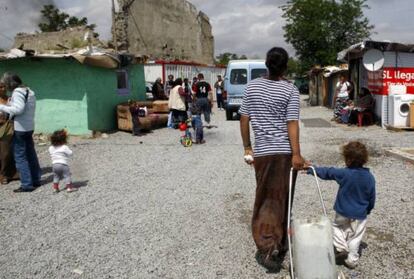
{"x": 411, "y": 115}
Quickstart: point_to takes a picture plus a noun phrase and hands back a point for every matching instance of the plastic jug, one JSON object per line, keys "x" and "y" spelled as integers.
{"x": 313, "y": 252}
{"x": 311, "y": 243}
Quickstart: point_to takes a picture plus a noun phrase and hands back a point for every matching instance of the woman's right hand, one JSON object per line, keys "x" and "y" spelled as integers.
{"x": 248, "y": 156}
{"x": 298, "y": 162}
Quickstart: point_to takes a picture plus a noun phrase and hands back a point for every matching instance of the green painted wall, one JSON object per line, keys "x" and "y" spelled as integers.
{"x": 69, "y": 94}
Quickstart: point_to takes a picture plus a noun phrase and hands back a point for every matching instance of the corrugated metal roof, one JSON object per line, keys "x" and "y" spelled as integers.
{"x": 330, "y": 70}
{"x": 90, "y": 56}
{"x": 357, "y": 50}
{"x": 327, "y": 71}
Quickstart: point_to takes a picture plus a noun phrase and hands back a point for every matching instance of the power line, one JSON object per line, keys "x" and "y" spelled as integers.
{"x": 7, "y": 37}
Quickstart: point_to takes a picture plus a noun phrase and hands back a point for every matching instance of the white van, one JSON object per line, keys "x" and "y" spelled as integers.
{"x": 238, "y": 74}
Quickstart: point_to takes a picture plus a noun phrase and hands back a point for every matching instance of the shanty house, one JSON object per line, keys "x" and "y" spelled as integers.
{"x": 386, "y": 69}
{"x": 322, "y": 84}
{"x": 78, "y": 91}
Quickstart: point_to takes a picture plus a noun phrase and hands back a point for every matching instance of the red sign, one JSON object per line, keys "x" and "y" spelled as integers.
{"x": 379, "y": 82}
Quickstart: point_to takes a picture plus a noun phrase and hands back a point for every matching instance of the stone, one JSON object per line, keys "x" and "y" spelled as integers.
{"x": 78, "y": 271}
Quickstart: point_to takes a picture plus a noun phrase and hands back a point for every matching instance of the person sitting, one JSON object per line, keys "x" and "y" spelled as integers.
{"x": 346, "y": 112}
{"x": 364, "y": 104}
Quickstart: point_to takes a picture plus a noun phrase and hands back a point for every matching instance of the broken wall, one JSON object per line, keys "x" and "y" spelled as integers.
{"x": 71, "y": 38}
{"x": 164, "y": 29}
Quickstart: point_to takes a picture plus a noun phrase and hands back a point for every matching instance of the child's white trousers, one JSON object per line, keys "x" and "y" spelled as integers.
{"x": 347, "y": 234}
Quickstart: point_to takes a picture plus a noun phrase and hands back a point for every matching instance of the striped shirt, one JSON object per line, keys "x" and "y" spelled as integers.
{"x": 270, "y": 104}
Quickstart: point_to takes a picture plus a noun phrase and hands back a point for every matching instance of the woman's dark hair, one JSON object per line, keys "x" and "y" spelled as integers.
{"x": 355, "y": 154}
{"x": 276, "y": 61}
{"x": 11, "y": 81}
{"x": 58, "y": 138}
{"x": 178, "y": 81}
{"x": 364, "y": 91}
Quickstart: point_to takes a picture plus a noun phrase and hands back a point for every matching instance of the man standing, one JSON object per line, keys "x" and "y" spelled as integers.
{"x": 194, "y": 85}
{"x": 219, "y": 86}
{"x": 169, "y": 85}
{"x": 158, "y": 91}
{"x": 271, "y": 105}
{"x": 204, "y": 97}
{"x": 22, "y": 109}
{"x": 188, "y": 95}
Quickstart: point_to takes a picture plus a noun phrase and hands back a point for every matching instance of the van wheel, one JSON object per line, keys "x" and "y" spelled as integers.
{"x": 229, "y": 115}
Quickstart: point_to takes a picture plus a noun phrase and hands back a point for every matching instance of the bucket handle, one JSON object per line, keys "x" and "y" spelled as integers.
{"x": 290, "y": 208}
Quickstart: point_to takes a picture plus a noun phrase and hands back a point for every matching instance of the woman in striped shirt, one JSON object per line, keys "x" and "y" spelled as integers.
{"x": 271, "y": 105}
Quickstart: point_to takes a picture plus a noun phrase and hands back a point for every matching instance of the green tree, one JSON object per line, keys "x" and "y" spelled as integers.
{"x": 224, "y": 58}
{"x": 293, "y": 67}
{"x": 319, "y": 29}
{"x": 55, "y": 20}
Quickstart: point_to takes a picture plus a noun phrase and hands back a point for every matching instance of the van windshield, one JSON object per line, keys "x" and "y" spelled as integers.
{"x": 238, "y": 76}
{"x": 258, "y": 73}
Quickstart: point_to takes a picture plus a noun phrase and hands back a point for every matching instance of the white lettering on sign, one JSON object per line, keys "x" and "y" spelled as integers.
{"x": 398, "y": 75}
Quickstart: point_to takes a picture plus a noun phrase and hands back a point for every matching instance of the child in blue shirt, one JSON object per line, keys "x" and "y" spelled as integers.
{"x": 354, "y": 201}
{"x": 197, "y": 124}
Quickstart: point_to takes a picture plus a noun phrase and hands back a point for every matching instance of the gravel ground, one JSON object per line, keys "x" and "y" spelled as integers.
{"x": 148, "y": 208}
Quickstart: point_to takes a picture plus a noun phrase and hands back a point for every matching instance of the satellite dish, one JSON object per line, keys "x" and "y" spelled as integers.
{"x": 373, "y": 60}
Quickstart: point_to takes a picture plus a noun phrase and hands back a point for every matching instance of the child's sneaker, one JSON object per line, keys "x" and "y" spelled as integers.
{"x": 55, "y": 187}
{"x": 69, "y": 188}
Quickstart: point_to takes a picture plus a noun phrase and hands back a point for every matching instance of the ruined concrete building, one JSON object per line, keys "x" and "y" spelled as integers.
{"x": 164, "y": 29}
{"x": 69, "y": 39}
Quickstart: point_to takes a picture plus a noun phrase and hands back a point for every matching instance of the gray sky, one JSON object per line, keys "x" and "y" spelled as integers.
{"x": 241, "y": 26}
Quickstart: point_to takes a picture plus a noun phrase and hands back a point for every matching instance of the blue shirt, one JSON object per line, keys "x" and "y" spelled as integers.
{"x": 270, "y": 105}
{"x": 356, "y": 194}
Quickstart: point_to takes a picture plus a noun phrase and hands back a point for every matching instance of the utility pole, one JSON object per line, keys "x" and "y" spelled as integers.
{"x": 113, "y": 27}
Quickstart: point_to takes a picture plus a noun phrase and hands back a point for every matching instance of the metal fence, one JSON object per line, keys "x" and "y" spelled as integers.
{"x": 155, "y": 70}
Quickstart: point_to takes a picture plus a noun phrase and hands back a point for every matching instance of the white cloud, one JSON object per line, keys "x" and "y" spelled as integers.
{"x": 245, "y": 28}
{"x": 97, "y": 12}
{"x": 259, "y": 25}
{"x": 24, "y": 15}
